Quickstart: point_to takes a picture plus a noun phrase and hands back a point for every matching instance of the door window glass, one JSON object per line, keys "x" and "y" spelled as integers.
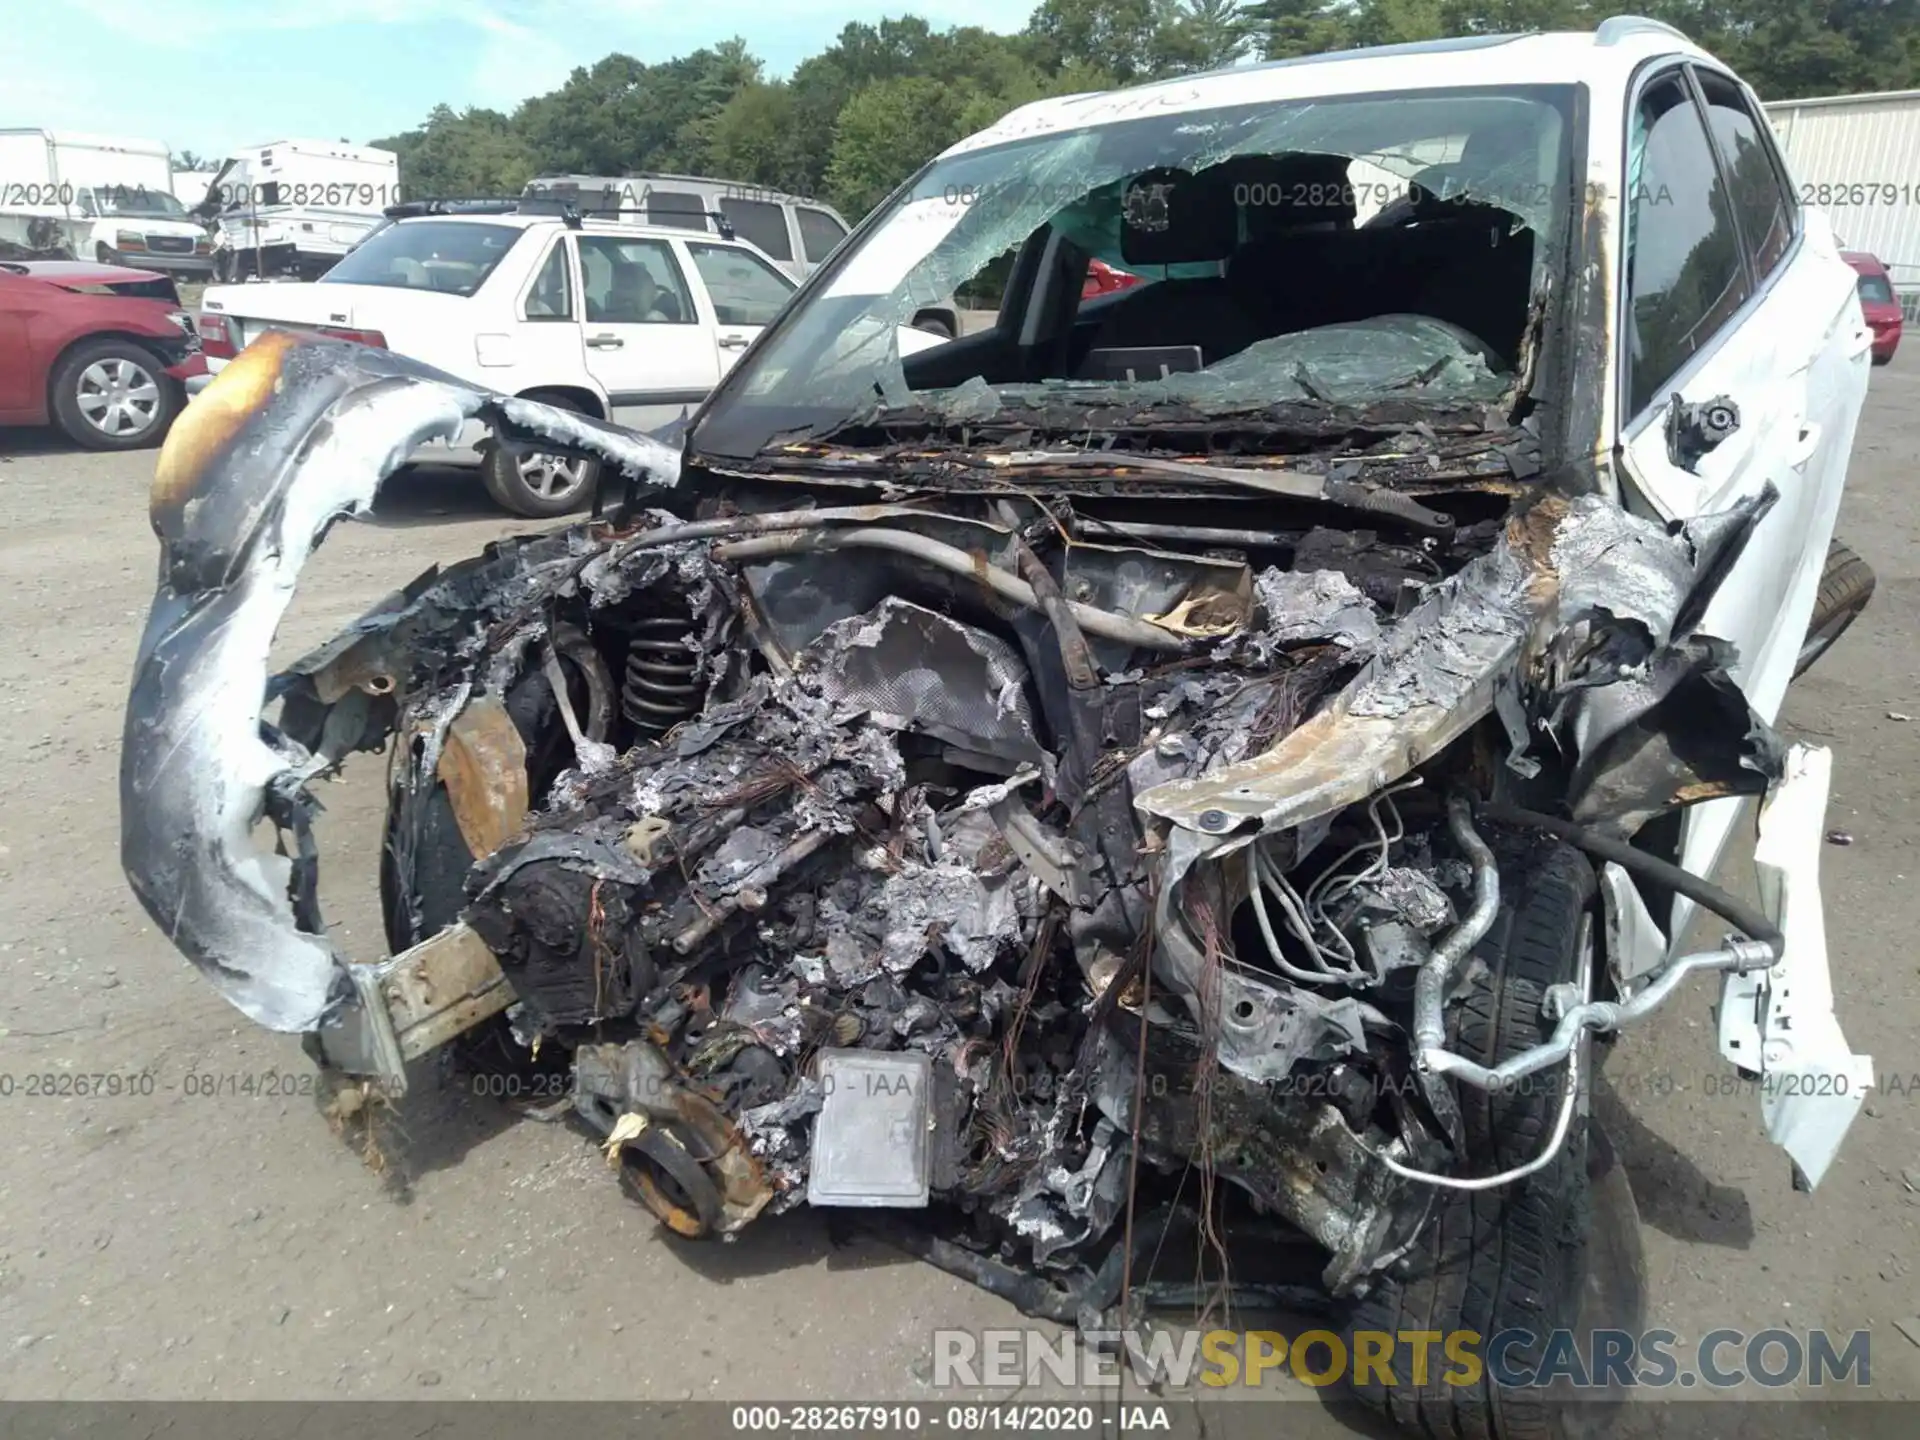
{"x": 1685, "y": 273}
{"x": 552, "y": 295}
{"x": 632, "y": 282}
{"x": 745, "y": 289}
{"x": 1759, "y": 196}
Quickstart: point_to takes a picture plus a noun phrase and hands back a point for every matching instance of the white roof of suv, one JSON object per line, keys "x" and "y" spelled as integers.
{"x": 1610, "y": 53}
{"x": 527, "y": 220}
{"x": 587, "y": 225}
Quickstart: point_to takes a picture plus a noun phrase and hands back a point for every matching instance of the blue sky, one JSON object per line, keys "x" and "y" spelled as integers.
{"x": 213, "y": 75}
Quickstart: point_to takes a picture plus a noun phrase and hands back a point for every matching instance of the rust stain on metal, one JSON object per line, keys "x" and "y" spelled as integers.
{"x": 484, "y": 767}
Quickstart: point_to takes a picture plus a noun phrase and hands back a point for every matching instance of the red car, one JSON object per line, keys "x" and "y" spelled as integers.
{"x": 1878, "y": 303}
{"x": 1103, "y": 279}
{"x": 99, "y": 350}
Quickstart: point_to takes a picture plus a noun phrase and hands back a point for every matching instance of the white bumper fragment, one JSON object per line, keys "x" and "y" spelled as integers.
{"x": 1779, "y": 1023}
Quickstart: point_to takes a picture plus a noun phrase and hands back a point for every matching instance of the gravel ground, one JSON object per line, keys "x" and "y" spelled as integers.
{"x": 183, "y": 1244}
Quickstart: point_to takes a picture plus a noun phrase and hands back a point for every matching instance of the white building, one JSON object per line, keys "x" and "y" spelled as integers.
{"x": 1858, "y": 158}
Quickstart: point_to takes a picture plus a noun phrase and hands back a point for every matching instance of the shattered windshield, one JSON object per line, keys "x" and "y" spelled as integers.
{"x": 1331, "y": 251}
{"x": 132, "y": 201}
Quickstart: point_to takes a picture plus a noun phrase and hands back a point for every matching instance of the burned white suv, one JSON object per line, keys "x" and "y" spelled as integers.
{"x": 1277, "y": 719}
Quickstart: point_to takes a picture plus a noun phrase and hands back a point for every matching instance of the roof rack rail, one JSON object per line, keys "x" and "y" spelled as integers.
{"x": 721, "y": 224}
{"x": 453, "y": 205}
{"x": 1617, "y": 28}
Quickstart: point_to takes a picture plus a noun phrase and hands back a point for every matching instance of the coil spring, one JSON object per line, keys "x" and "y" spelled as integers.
{"x": 662, "y": 683}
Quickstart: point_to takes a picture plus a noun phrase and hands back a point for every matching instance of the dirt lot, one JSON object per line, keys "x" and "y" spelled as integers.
{"x": 210, "y": 1238}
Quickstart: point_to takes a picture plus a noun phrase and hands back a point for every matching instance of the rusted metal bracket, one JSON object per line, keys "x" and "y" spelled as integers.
{"x": 404, "y": 1007}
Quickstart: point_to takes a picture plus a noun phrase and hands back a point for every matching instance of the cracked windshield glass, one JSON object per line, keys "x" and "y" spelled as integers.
{"x": 1222, "y": 259}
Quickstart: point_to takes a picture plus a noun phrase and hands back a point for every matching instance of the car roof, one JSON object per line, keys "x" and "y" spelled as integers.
{"x": 731, "y": 189}
{"x": 1613, "y": 51}
{"x": 589, "y": 224}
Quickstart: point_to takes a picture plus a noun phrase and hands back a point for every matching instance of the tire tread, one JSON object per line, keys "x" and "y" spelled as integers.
{"x": 1494, "y": 1260}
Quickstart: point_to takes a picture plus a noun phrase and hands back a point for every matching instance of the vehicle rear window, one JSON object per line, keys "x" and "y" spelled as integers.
{"x": 682, "y": 208}
{"x": 449, "y": 256}
{"x": 820, "y": 233}
{"x": 762, "y": 223}
{"x": 1876, "y": 289}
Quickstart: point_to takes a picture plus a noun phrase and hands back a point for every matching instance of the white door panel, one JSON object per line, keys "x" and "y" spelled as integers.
{"x": 1742, "y": 314}
{"x": 538, "y": 343}
{"x": 739, "y": 291}
{"x": 645, "y": 340}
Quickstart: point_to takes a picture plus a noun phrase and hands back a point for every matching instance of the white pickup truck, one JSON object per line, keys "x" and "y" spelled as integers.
{"x": 631, "y": 323}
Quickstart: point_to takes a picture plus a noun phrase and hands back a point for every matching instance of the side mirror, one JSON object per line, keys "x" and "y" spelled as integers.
{"x": 1695, "y": 429}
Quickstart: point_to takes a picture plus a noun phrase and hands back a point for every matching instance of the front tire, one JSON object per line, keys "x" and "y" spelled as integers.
{"x": 113, "y": 395}
{"x": 1846, "y": 585}
{"x": 1512, "y": 1258}
{"x": 540, "y": 487}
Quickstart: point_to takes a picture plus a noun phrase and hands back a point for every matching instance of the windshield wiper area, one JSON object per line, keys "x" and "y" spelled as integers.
{"x": 936, "y": 468}
{"x": 1294, "y": 484}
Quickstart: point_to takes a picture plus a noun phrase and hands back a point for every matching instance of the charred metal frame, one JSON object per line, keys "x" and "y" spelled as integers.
{"x": 1507, "y": 674}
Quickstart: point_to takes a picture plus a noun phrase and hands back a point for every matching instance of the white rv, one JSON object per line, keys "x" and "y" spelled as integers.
{"x": 96, "y": 197}
{"x": 190, "y": 186}
{"x": 294, "y": 207}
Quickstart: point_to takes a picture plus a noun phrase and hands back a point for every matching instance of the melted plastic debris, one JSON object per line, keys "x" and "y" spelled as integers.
{"x": 635, "y": 454}
{"x": 1309, "y": 607}
{"x": 903, "y": 665}
{"x": 737, "y": 857}
{"x": 921, "y": 906}
{"x": 1616, "y": 564}
{"x": 1413, "y": 895}
{"x": 1440, "y": 651}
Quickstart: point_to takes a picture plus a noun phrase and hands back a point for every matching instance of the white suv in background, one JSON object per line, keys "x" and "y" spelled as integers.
{"x": 631, "y": 323}
{"x": 796, "y": 234}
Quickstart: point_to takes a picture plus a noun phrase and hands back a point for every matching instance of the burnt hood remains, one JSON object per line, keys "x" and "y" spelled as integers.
{"x": 962, "y": 798}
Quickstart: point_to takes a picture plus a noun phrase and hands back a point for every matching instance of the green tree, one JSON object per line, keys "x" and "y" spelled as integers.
{"x": 622, "y": 115}
{"x": 1283, "y": 29}
{"x": 1397, "y": 22}
{"x": 1204, "y": 34}
{"x": 756, "y": 136}
{"x": 886, "y": 132}
{"x": 470, "y": 152}
{"x": 1787, "y": 49}
{"x": 1124, "y": 38}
